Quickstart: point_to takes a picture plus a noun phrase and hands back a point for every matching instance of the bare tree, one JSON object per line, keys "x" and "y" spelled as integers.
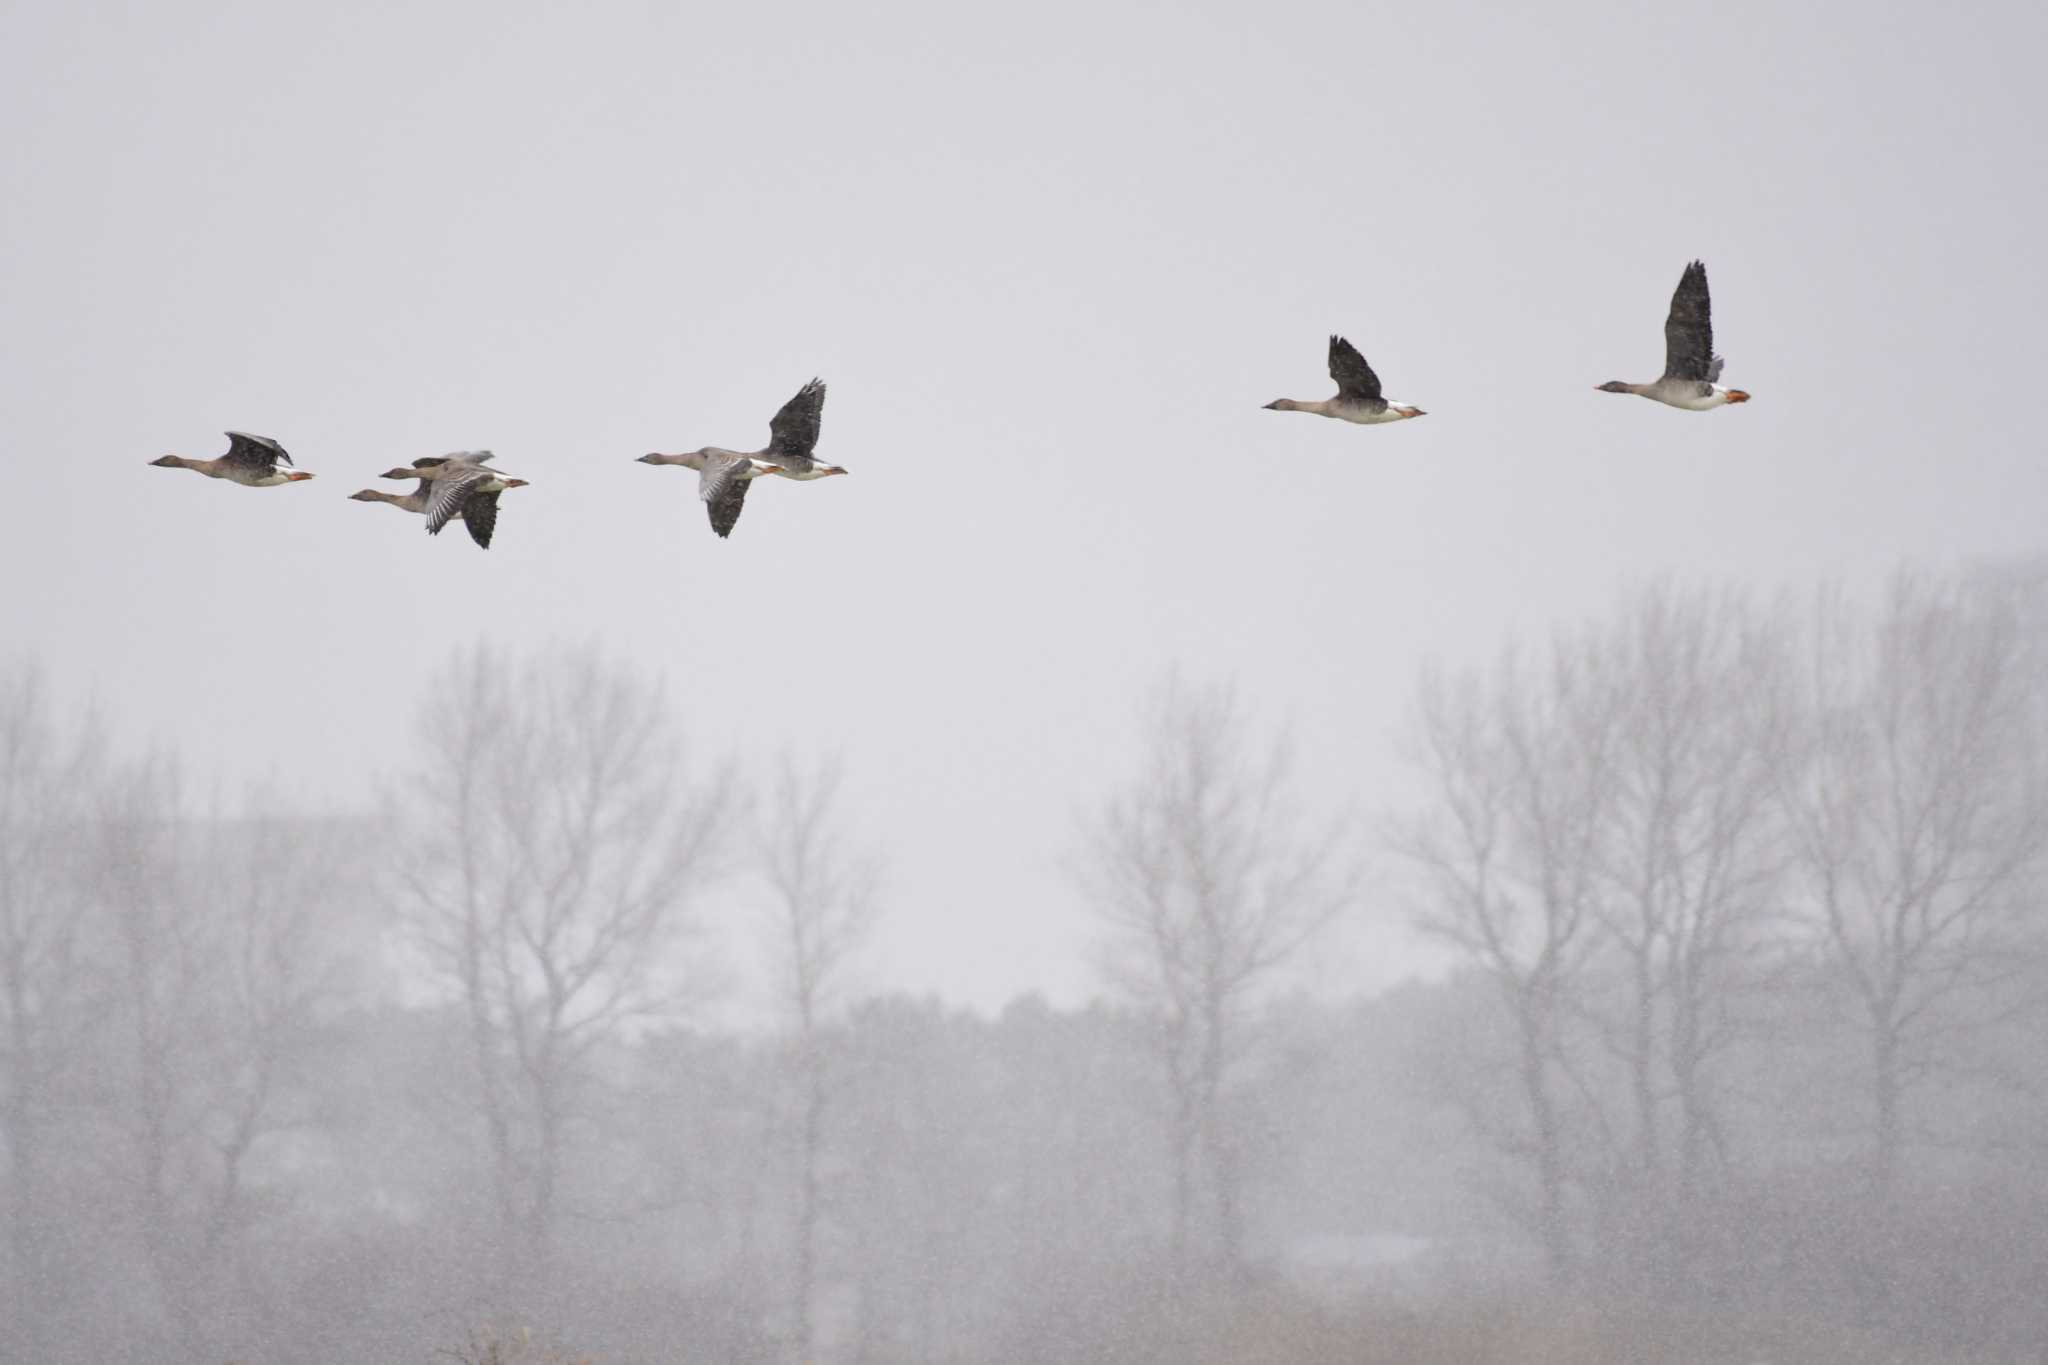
{"x": 155, "y": 971}
{"x": 212, "y": 969}
{"x": 46, "y": 776}
{"x": 1519, "y": 766}
{"x": 1202, "y": 876}
{"x": 280, "y": 885}
{"x": 1689, "y": 859}
{"x": 822, "y": 908}
{"x": 554, "y": 837}
{"x": 1918, "y": 810}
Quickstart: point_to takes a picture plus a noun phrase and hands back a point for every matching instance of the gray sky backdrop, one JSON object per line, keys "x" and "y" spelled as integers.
{"x": 1051, "y": 260}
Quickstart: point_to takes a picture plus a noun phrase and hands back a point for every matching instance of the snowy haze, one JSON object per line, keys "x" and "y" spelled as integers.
{"x": 892, "y": 936}
{"x": 1051, "y": 262}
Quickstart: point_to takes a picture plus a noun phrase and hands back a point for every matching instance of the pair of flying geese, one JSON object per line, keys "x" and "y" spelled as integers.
{"x": 464, "y": 485}
{"x": 1690, "y": 368}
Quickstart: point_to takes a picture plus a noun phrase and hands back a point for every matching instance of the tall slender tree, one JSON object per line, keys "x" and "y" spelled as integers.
{"x": 1519, "y": 765}
{"x": 1689, "y": 869}
{"x": 555, "y": 835}
{"x": 1208, "y": 879}
{"x": 1917, "y": 800}
{"x": 47, "y": 771}
{"x": 211, "y": 970}
{"x": 822, "y": 906}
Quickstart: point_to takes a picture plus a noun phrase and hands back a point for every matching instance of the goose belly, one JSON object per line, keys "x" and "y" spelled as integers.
{"x": 1368, "y": 417}
{"x": 1691, "y": 399}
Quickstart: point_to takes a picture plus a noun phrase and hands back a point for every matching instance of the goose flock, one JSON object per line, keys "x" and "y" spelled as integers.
{"x": 464, "y": 484}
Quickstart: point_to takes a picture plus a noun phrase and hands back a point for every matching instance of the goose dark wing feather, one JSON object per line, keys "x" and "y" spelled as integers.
{"x": 725, "y": 508}
{"x": 448, "y": 495}
{"x": 722, "y": 485}
{"x": 254, "y": 452}
{"x": 1354, "y": 377}
{"x": 480, "y": 517}
{"x": 1689, "y": 330}
{"x": 793, "y": 432}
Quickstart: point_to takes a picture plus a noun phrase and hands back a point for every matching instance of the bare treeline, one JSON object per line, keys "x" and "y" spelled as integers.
{"x": 1753, "y": 897}
{"x": 1743, "y": 1051}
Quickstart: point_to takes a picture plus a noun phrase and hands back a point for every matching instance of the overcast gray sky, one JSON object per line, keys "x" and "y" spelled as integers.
{"x": 1051, "y": 261}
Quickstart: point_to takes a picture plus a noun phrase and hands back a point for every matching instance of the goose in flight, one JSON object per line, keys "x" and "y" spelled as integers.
{"x": 1690, "y": 365}
{"x": 479, "y": 509}
{"x": 723, "y": 475}
{"x": 251, "y": 461}
{"x": 1358, "y": 392}
{"x": 451, "y": 486}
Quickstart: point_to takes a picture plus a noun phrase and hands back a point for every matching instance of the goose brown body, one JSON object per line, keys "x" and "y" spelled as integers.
{"x": 251, "y": 461}
{"x": 1690, "y": 365}
{"x": 1359, "y": 399}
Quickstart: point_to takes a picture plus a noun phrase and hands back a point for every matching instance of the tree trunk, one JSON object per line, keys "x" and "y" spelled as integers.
{"x": 1642, "y": 1078}
{"x": 1550, "y": 1175}
{"x": 1183, "y": 1184}
{"x": 808, "y": 1202}
{"x": 26, "y": 1229}
{"x": 1223, "y": 1161}
{"x": 1885, "y": 1086}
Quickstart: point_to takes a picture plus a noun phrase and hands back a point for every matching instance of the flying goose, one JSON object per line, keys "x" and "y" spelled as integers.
{"x": 458, "y": 484}
{"x": 251, "y": 461}
{"x": 723, "y": 475}
{"x": 1358, "y": 392}
{"x": 419, "y": 468}
{"x": 1690, "y": 365}
{"x": 479, "y": 509}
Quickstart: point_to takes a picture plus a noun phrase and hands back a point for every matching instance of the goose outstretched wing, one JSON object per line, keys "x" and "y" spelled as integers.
{"x": 793, "y": 432}
{"x": 1355, "y": 379}
{"x": 1689, "y": 330}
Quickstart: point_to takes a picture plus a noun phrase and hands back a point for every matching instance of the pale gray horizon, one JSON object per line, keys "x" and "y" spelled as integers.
{"x": 1051, "y": 265}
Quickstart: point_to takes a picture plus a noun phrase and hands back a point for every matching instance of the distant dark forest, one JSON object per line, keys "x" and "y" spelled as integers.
{"x": 1744, "y": 1055}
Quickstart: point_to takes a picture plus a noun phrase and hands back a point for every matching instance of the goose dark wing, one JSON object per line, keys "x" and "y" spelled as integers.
{"x": 725, "y": 509}
{"x": 480, "y": 517}
{"x": 1689, "y": 331}
{"x": 448, "y": 495}
{"x": 722, "y": 484}
{"x": 1354, "y": 377}
{"x": 459, "y": 456}
{"x": 254, "y": 452}
{"x": 793, "y": 434}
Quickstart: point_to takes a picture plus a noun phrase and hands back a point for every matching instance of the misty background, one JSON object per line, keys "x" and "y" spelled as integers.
{"x": 1123, "y": 864}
